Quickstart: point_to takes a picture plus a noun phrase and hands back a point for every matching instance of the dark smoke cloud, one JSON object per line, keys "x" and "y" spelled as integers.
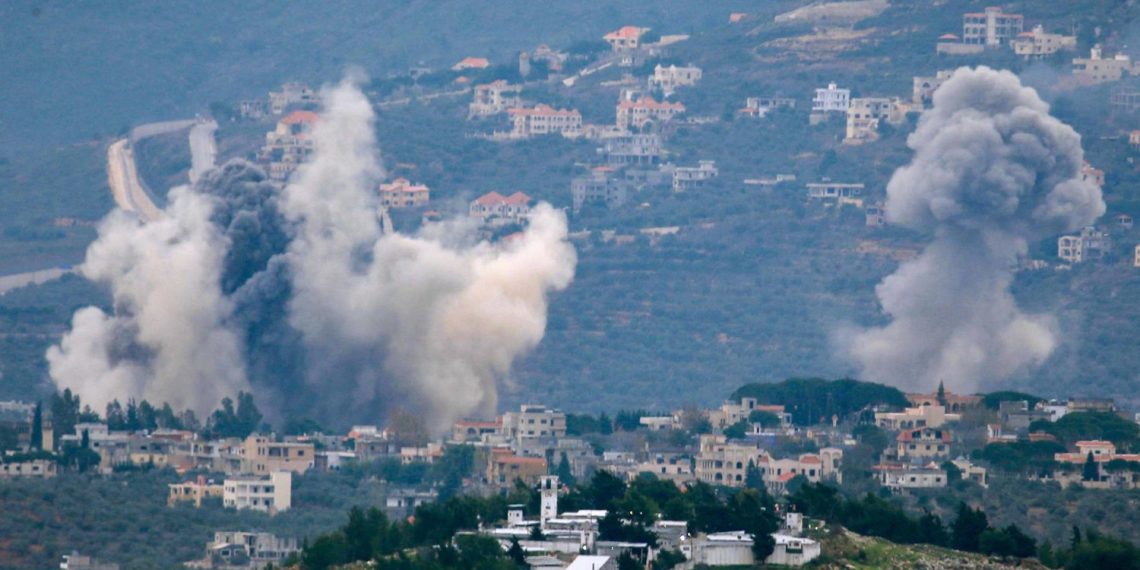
{"x": 992, "y": 170}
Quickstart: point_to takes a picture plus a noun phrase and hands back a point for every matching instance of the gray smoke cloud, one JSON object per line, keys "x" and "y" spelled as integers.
{"x": 299, "y": 295}
{"x": 991, "y": 171}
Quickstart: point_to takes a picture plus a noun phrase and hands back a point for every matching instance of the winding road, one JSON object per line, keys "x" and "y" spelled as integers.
{"x": 129, "y": 190}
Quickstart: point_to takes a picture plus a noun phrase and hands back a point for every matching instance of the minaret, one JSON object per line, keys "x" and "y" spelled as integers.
{"x": 548, "y": 489}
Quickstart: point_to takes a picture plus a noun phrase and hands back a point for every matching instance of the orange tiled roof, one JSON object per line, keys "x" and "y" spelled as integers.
{"x": 473, "y": 63}
{"x": 626, "y": 32}
{"x": 299, "y": 117}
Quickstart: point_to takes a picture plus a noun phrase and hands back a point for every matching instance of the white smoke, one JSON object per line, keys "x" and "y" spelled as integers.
{"x": 442, "y": 323}
{"x": 992, "y": 170}
{"x": 167, "y": 339}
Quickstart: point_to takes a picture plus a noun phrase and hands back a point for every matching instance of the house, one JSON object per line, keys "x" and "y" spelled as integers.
{"x": 971, "y": 472}
{"x": 991, "y": 28}
{"x": 504, "y": 468}
{"x": 950, "y": 44}
{"x": 995, "y": 433}
{"x": 291, "y": 94}
{"x": 1113, "y": 470}
{"x": 793, "y": 550}
{"x": 1038, "y": 44}
{"x": 600, "y": 186}
{"x": 584, "y": 562}
{"x": 759, "y": 107}
{"x": 875, "y": 216}
{"x": 923, "y": 88}
{"x": 1124, "y": 221}
{"x": 689, "y": 177}
{"x": 271, "y": 494}
{"x": 641, "y": 149}
{"x": 400, "y": 193}
{"x": 839, "y": 193}
{"x": 262, "y": 455}
{"x": 721, "y": 462}
{"x": 471, "y": 63}
{"x": 864, "y": 115}
{"x": 953, "y": 402}
{"x": 917, "y": 417}
{"x": 1097, "y": 69}
{"x": 1017, "y": 415}
{"x": 246, "y": 549}
{"x": 542, "y": 120}
{"x": 469, "y": 431}
{"x": 534, "y": 421}
{"x": 731, "y": 413}
{"x": 923, "y": 444}
{"x": 1089, "y": 173}
{"x": 290, "y": 144}
{"x": 553, "y": 58}
{"x": 668, "y": 79}
{"x": 645, "y": 111}
{"x": 494, "y": 98}
{"x": 901, "y": 476}
{"x": 1126, "y": 99}
{"x": 252, "y": 109}
{"x": 193, "y": 491}
{"x": 831, "y": 100}
{"x": 675, "y": 467}
{"x": 625, "y": 38}
{"x": 493, "y": 207}
{"x": 28, "y": 468}
{"x": 1091, "y": 243}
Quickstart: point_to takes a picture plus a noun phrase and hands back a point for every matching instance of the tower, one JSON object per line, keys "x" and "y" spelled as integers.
{"x": 548, "y": 489}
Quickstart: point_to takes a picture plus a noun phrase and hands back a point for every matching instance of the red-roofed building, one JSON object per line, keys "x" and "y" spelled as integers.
{"x": 471, "y": 63}
{"x": 736, "y": 17}
{"x": 503, "y": 469}
{"x": 493, "y": 207}
{"x": 542, "y": 120}
{"x": 465, "y": 431}
{"x": 400, "y": 193}
{"x": 627, "y": 37}
{"x": 923, "y": 443}
{"x": 637, "y": 114}
{"x": 1106, "y": 458}
{"x": 287, "y": 146}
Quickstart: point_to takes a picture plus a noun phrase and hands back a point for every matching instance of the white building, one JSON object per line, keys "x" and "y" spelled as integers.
{"x": 687, "y": 177}
{"x": 534, "y": 421}
{"x": 271, "y": 495}
{"x": 831, "y": 100}
{"x": 1091, "y": 243}
{"x": 793, "y": 550}
{"x": 841, "y": 193}
{"x": 252, "y": 549}
{"x": 1038, "y": 44}
{"x": 543, "y": 120}
{"x": 668, "y": 79}
{"x": 991, "y": 28}
{"x": 493, "y": 207}
{"x": 759, "y": 107}
{"x": 1097, "y": 69}
{"x": 732, "y": 548}
{"x": 494, "y": 98}
{"x": 584, "y": 562}
{"x": 898, "y": 477}
{"x": 291, "y": 94}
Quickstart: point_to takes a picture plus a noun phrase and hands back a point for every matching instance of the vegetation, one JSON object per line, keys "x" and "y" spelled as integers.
{"x": 814, "y": 400}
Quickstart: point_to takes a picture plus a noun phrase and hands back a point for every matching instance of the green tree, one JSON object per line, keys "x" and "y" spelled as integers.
{"x": 753, "y": 479}
{"x": 764, "y": 418}
{"x": 37, "y": 427}
{"x": 564, "y": 472}
{"x": 968, "y": 528}
{"x": 516, "y": 554}
{"x": 738, "y": 430}
{"x": 1090, "y": 471}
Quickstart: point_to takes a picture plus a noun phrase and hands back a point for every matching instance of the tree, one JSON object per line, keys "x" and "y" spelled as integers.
{"x": 37, "y": 427}
{"x": 942, "y": 394}
{"x": 737, "y": 430}
{"x": 627, "y": 562}
{"x": 753, "y": 479}
{"x": 765, "y": 419}
{"x": 516, "y": 554}
{"x": 953, "y": 473}
{"x": 606, "y": 425}
{"x": 564, "y": 472}
{"x": 968, "y": 528}
{"x": 667, "y": 559}
{"x": 1091, "y": 471}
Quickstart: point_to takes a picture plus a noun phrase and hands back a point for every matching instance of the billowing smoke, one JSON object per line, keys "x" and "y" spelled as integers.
{"x": 327, "y": 316}
{"x": 992, "y": 170}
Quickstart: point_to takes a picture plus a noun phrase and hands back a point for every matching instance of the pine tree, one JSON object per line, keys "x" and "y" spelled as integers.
{"x": 1090, "y": 472}
{"x": 941, "y": 393}
{"x": 753, "y": 479}
{"x": 38, "y": 427}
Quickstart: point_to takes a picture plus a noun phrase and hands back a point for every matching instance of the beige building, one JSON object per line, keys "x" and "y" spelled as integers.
{"x": 922, "y": 444}
{"x": 625, "y": 38}
{"x": 38, "y": 468}
{"x": 534, "y": 421}
{"x": 261, "y": 455}
{"x": 1038, "y": 44}
{"x": 922, "y": 91}
{"x": 290, "y": 144}
{"x": 689, "y": 177}
{"x": 1091, "y": 243}
{"x": 494, "y": 98}
{"x": 291, "y": 94}
{"x": 637, "y": 114}
{"x": 954, "y": 402}
{"x": 668, "y": 79}
{"x": 864, "y": 115}
{"x": 504, "y": 468}
{"x": 271, "y": 494}
{"x": 543, "y": 120}
{"x": 722, "y": 462}
{"x": 991, "y": 28}
{"x": 193, "y": 492}
{"x": 917, "y": 417}
{"x": 400, "y": 193}
{"x": 493, "y": 207}
{"x": 900, "y": 477}
{"x": 1097, "y": 69}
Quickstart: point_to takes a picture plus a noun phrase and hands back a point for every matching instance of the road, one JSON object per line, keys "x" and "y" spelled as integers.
{"x": 126, "y": 186}
{"x": 203, "y": 149}
{"x": 17, "y": 280}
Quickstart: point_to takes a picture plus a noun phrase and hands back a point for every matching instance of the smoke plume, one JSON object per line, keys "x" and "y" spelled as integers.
{"x": 992, "y": 170}
{"x": 326, "y": 314}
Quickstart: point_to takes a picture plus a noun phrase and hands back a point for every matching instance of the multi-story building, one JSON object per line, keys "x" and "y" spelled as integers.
{"x": 1091, "y": 243}
{"x": 1092, "y": 174}
{"x": 642, "y": 149}
{"x": 493, "y": 207}
{"x": 675, "y": 467}
{"x": 534, "y": 421}
{"x": 494, "y": 98}
{"x": 471, "y": 431}
{"x": 991, "y": 28}
{"x": 600, "y": 186}
{"x": 262, "y": 455}
{"x": 193, "y": 492}
{"x": 291, "y": 94}
{"x": 831, "y": 100}
{"x": 1038, "y": 44}
{"x": 901, "y": 476}
{"x": 625, "y": 38}
{"x": 37, "y": 468}
{"x": 290, "y": 144}
{"x": 721, "y": 462}
{"x": 922, "y": 92}
{"x": 689, "y": 177}
{"x": 247, "y": 549}
{"x": 840, "y": 193}
{"x": 668, "y": 79}
{"x": 272, "y": 494}
{"x": 922, "y": 444}
{"x": 1104, "y": 455}
{"x": 917, "y": 417}
{"x": 864, "y": 115}
{"x": 1097, "y": 69}
{"x": 731, "y": 413}
{"x": 637, "y": 114}
{"x": 759, "y": 107}
{"x": 400, "y": 193}
{"x": 504, "y": 468}
{"x": 543, "y": 120}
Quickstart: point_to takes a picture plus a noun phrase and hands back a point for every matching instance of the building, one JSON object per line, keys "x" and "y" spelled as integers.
{"x": 922, "y": 91}
{"x": 922, "y": 444}
{"x": 534, "y": 421}
{"x": 252, "y": 109}
{"x": 1091, "y": 243}
{"x": 400, "y": 193}
{"x": 28, "y": 468}
{"x": 689, "y": 177}
{"x": 600, "y": 186}
{"x": 900, "y": 477}
{"x": 543, "y": 120}
{"x": 494, "y": 208}
{"x": 1092, "y": 174}
{"x": 625, "y": 38}
{"x": 721, "y": 549}
{"x": 504, "y": 468}
{"x": 254, "y": 550}
{"x": 971, "y": 472}
{"x": 471, "y": 431}
{"x": 917, "y": 417}
{"x": 471, "y": 63}
{"x": 261, "y": 455}
{"x": 75, "y": 561}
{"x": 950, "y": 44}
{"x": 1097, "y": 69}
{"x": 494, "y": 98}
{"x": 721, "y": 462}
{"x": 759, "y": 107}
{"x": 731, "y": 413}
{"x": 864, "y": 114}
{"x": 193, "y": 492}
{"x": 875, "y": 216}
{"x": 1017, "y": 415}
{"x": 1127, "y": 99}
{"x": 645, "y": 111}
{"x": 290, "y": 144}
{"x": 1113, "y": 469}
{"x": 839, "y": 193}
{"x": 793, "y": 550}
{"x": 954, "y": 402}
{"x": 291, "y": 94}
{"x": 640, "y": 149}
{"x": 1136, "y": 257}
{"x": 668, "y": 79}
{"x": 1038, "y": 44}
{"x": 272, "y": 494}
{"x": 675, "y": 467}
{"x": 991, "y": 28}
{"x": 831, "y": 100}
